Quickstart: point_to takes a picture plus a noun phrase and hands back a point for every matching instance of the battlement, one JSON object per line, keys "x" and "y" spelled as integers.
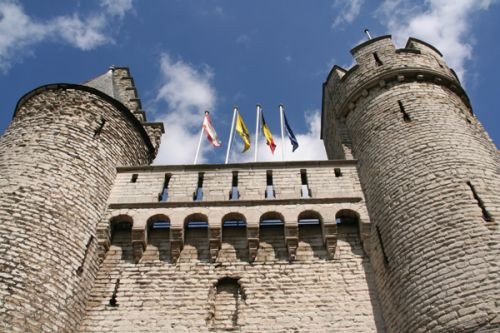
{"x": 286, "y": 189}
{"x": 379, "y": 64}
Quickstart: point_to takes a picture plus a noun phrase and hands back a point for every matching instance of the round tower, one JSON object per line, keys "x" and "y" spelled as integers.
{"x": 58, "y": 162}
{"x": 431, "y": 178}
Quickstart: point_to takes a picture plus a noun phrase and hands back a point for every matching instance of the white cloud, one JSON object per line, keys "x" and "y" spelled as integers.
{"x": 445, "y": 24}
{"x": 310, "y": 145}
{"x": 117, "y": 7}
{"x": 187, "y": 93}
{"x": 84, "y": 34}
{"x": 288, "y": 59}
{"x": 19, "y": 32}
{"x": 349, "y": 10}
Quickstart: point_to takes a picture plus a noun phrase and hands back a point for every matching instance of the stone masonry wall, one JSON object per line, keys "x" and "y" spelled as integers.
{"x": 431, "y": 180}
{"x": 283, "y": 278}
{"x": 311, "y": 294}
{"x": 321, "y": 179}
{"x": 58, "y": 162}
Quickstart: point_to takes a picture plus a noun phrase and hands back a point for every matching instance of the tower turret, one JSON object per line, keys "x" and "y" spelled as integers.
{"x": 430, "y": 174}
{"x": 58, "y": 161}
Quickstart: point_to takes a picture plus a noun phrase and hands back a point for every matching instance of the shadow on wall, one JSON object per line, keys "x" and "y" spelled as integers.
{"x": 121, "y": 234}
{"x": 195, "y": 239}
{"x": 234, "y": 245}
{"x": 158, "y": 227}
{"x": 348, "y": 235}
{"x": 272, "y": 245}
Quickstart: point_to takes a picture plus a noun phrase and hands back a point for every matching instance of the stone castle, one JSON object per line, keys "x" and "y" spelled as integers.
{"x": 396, "y": 232}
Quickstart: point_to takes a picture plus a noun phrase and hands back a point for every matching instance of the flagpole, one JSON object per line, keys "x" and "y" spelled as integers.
{"x": 199, "y": 142}
{"x": 282, "y": 110}
{"x": 231, "y": 135}
{"x": 257, "y": 131}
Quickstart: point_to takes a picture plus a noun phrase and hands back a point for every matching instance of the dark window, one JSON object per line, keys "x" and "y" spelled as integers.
{"x": 377, "y": 59}
{"x": 198, "y": 195}
{"x": 379, "y": 235}
{"x": 163, "y": 196}
{"x": 99, "y": 128}
{"x": 305, "y": 191}
{"x": 338, "y": 172}
{"x": 134, "y": 178}
{"x": 406, "y": 116}
{"x": 234, "y": 194}
{"x": 270, "y": 194}
{"x": 113, "y": 301}
{"x": 486, "y": 215}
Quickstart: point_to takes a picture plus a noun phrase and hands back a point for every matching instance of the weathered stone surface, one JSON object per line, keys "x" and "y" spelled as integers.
{"x": 93, "y": 239}
{"x": 57, "y": 174}
{"x": 418, "y": 146}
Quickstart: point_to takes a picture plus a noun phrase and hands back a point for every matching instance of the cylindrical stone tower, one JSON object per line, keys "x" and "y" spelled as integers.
{"x": 57, "y": 166}
{"x": 431, "y": 178}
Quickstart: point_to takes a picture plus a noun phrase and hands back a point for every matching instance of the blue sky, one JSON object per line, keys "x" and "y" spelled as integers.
{"x": 188, "y": 56}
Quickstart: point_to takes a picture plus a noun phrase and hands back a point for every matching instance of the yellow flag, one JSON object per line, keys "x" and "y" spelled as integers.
{"x": 242, "y": 130}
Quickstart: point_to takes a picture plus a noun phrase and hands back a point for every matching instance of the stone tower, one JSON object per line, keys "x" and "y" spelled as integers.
{"x": 58, "y": 162}
{"x": 430, "y": 175}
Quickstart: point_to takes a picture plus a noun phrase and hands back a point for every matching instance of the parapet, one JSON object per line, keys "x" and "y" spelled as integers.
{"x": 379, "y": 63}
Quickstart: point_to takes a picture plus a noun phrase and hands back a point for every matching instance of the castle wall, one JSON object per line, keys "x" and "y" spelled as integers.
{"x": 58, "y": 162}
{"x": 429, "y": 173}
{"x": 306, "y": 278}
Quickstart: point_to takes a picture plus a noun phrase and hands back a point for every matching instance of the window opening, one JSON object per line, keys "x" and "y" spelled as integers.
{"x": 79, "y": 270}
{"x": 270, "y": 194}
{"x": 305, "y": 192}
{"x": 234, "y": 194}
{"x": 163, "y": 196}
{"x": 338, "y": 172}
{"x": 198, "y": 195}
{"x": 406, "y": 116}
{"x": 112, "y": 301}
{"x": 486, "y": 215}
{"x": 377, "y": 59}
{"x": 99, "y": 128}
{"x": 134, "y": 178}
{"x": 386, "y": 260}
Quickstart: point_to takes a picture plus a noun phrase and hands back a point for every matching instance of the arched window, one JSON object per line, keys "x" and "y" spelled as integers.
{"x": 347, "y": 221}
{"x": 310, "y": 236}
{"x": 348, "y": 240}
{"x": 159, "y": 237}
{"x": 227, "y": 300}
{"x": 121, "y": 237}
{"x": 272, "y": 238}
{"x": 234, "y": 238}
{"x": 195, "y": 238}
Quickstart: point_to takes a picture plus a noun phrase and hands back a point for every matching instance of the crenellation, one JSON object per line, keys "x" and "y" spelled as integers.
{"x": 397, "y": 232}
{"x": 417, "y": 150}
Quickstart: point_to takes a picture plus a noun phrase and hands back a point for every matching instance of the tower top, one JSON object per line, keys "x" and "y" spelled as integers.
{"x": 379, "y": 63}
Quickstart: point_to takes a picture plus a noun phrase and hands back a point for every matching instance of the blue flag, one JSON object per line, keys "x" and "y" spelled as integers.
{"x": 292, "y": 137}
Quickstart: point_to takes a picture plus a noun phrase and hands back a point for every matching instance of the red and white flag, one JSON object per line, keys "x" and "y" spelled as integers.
{"x": 210, "y": 131}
